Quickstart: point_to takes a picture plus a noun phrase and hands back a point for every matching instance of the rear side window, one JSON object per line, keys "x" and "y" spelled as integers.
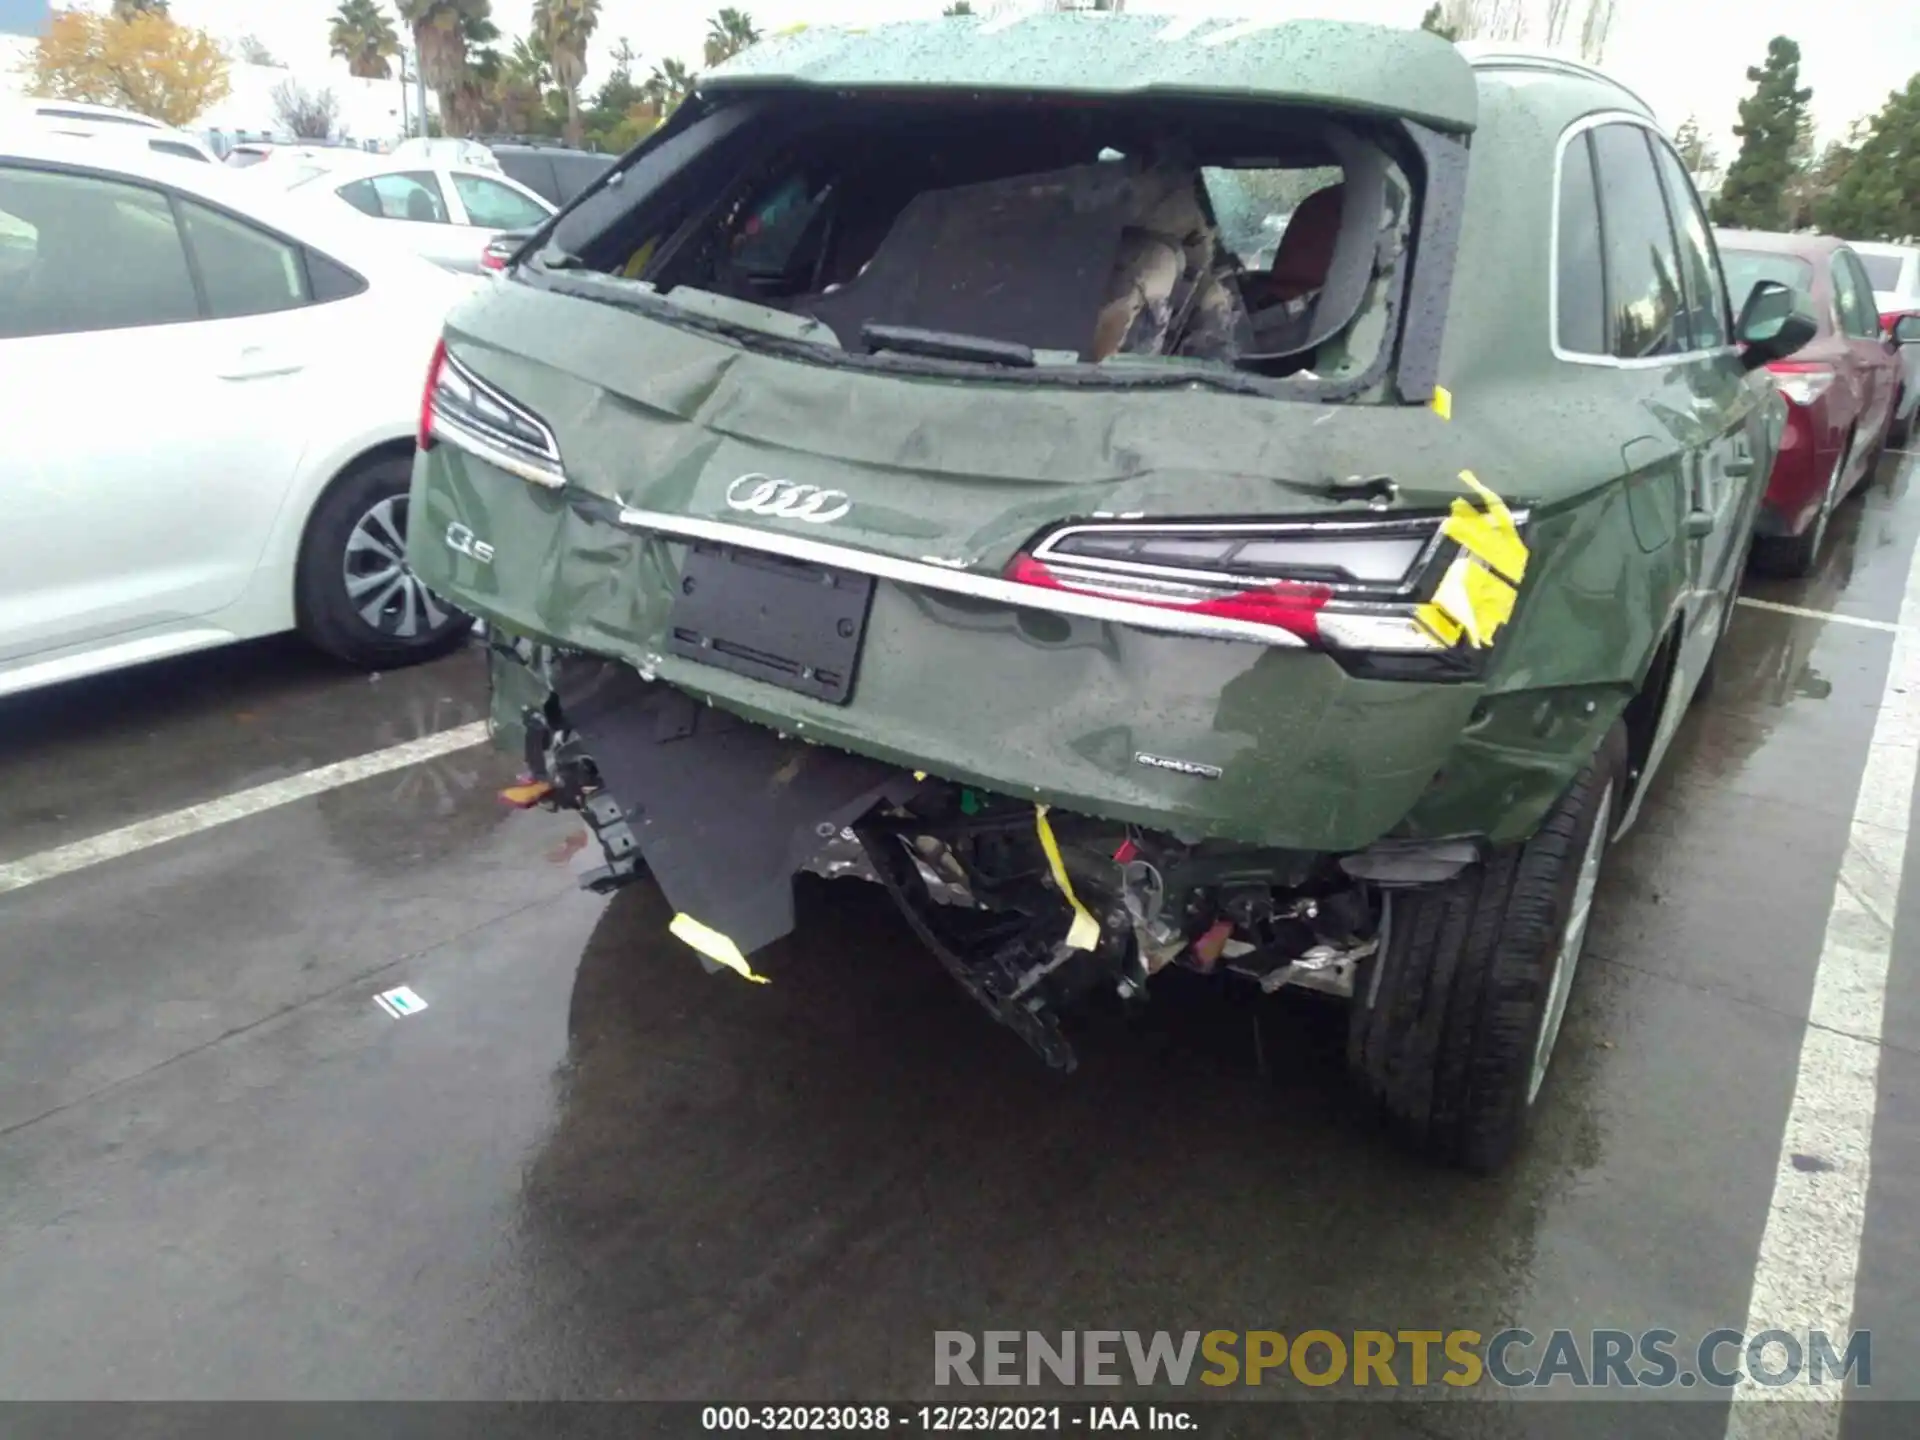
{"x": 1706, "y": 296}
{"x": 1580, "y": 288}
{"x": 243, "y": 270}
{"x": 327, "y": 280}
{"x": 80, "y": 254}
{"x": 1853, "y": 298}
{"x": 1644, "y": 299}
{"x": 494, "y": 206}
{"x": 411, "y": 195}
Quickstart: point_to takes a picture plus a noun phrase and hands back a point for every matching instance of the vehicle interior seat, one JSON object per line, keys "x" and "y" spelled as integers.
{"x": 420, "y": 207}
{"x": 1305, "y": 253}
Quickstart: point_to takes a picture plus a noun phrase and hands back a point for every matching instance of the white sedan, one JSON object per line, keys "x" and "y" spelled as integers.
{"x": 211, "y": 399}
{"x": 446, "y": 213}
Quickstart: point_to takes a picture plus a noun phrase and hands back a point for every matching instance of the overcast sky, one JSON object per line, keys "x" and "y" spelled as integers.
{"x": 1683, "y": 56}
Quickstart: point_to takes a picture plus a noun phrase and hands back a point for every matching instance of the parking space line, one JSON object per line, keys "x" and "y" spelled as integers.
{"x": 1809, "y": 1258}
{"x": 1805, "y": 613}
{"x": 65, "y": 859}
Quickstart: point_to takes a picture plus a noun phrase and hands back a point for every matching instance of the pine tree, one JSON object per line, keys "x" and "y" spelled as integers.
{"x": 1772, "y": 121}
{"x": 1878, "y": 197}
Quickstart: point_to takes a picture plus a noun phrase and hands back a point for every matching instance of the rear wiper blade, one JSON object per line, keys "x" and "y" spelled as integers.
{"x": 945, "y": 345}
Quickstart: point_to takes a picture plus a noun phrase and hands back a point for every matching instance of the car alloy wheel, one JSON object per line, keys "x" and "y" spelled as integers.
{"x": 380, "y": 585}
{"x": 1573, "y": 938}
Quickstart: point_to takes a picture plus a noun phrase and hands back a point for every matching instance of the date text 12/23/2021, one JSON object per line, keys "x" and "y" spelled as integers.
{"x": 948, "y": 1419}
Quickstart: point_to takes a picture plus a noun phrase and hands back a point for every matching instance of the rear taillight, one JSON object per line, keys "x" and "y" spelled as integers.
{"x": 434, "y": 367}
{"x": 1408, "y": 586}
{"x": 1802, "y": 382}
{"x": 492, "y": 259}
{"x": 462, "y": 410}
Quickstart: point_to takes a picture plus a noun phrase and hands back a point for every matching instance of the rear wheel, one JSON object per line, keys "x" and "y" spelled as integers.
{"x": 1456, "y": 1017}
{"x": 354, "y": 595}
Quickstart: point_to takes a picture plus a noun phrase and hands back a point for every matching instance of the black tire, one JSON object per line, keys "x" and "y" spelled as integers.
{"x": 1447, "y": 1016}
{"x": 329, "y": 616}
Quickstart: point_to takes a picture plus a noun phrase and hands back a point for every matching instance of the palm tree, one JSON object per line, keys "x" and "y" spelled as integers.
{"x": 567, "y": 27}
{"x": 669, "y": 84}
{"x": 441, "y": 32}
{"x": 364, "y": 37}
{"x": 728, "y": 33}
{"x": 528, "y": 63}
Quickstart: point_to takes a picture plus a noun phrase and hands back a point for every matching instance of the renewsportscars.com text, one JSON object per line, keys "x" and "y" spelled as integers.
{"x": 1513, "y": 1358}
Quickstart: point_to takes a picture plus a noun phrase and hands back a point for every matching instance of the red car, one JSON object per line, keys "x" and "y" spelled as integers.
{"x": 1840, "y": 387}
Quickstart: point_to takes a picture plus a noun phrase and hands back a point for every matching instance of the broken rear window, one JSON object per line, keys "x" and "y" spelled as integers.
{"x": 1022, "y": 234}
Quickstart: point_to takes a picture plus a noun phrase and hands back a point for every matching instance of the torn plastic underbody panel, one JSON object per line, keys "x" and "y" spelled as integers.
{"x": 1030, "y": 911}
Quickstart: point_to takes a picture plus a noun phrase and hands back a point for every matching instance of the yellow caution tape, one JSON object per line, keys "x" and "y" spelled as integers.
{"x": 637, "y": 262}
{"x": 1084, "y": 933}
{"x": 1477, "y": 594}
{"x": 715, "y": 946}
{"x": 1492, "y": 536}
{"x": 1443, "y": 402}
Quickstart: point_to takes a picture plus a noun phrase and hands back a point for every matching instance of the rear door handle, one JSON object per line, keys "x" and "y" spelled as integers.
{"x": 257, "y": 362}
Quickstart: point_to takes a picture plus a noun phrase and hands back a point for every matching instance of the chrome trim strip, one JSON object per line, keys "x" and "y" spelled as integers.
{"x": 924, "y": 576}
{"x": 461, "y": 438}
{"x": 1577, "y": 357}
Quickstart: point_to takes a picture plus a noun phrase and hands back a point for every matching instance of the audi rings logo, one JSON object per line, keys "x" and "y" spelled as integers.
{"x": 764, "y": 495}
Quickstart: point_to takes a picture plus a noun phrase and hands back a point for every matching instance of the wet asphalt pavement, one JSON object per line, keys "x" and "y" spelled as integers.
{"x": 589, "y": 1169}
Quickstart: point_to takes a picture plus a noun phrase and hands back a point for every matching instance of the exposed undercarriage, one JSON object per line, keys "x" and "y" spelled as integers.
{"x": 1031, "y": 911}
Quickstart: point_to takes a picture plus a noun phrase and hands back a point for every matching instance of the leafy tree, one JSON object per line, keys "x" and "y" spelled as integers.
{"x": 530, "y": 63}
{"x": 147, "y": 63}
{"x": 443, "y": 33}
{"x": 1772, "y": 120}
{"x": 127, "y": 9}
{"x": 363, "y": 36}
{"x": 618, "y": 117}
{"x": 728, "y": 33}
{"x": 959, "y": 7}
{"x": 567, "y": 26}
{"x": 303, "y": 113}
{"x": 1476, "y": 19}
{"x": 669, "y": 84}
{"x": 1878, "y": 196}
{"x": 1697, "y": 153}
{"x": 254, "y": 51}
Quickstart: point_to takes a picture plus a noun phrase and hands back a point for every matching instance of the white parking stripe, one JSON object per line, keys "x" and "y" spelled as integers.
{"x": 1802, "y": 611}
{"x": 18, "y": 874}
{"x": 1809, "y": 1255}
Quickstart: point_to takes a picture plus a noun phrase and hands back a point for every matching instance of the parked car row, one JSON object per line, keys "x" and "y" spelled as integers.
{"x": 1201, "y": 602}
